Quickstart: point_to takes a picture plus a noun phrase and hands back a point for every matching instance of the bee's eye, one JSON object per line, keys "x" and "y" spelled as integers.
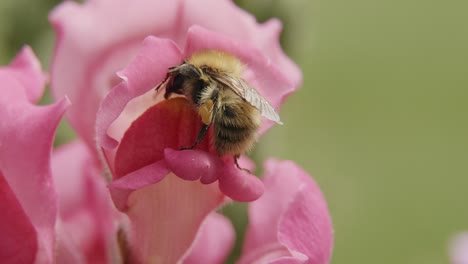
{"x": 229, "y": 112}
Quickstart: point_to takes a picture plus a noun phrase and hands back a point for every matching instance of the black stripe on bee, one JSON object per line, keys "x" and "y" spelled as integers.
{"x": 232, "y": 133}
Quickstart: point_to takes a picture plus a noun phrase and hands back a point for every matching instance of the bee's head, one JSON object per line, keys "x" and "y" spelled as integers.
{"x": 187, "y": 71}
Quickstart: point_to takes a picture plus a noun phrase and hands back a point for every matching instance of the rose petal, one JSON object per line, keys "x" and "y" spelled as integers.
{"x": 273, "y": 233}
{"x": 26, "y": 135}
{"x": 166, "y": 217}
{"x": 214, "y": 241}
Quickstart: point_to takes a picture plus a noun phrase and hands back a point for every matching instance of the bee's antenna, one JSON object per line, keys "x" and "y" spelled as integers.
{"x": 164, "y": 81}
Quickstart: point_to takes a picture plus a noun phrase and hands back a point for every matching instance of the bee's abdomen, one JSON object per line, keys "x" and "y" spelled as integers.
{"x": 235, "y": 129}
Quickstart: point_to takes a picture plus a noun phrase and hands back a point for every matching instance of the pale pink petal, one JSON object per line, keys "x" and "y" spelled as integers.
{"x": 458, "y": 250}
{"x": 87, "y": 217}
{"x": 214, "y": 241}
{"x": 26, "y": 136}
{"x": 94, "y": 40}
{"x": 234, "y": 22}
{"x": 72, "y": 163}
{"x": 290, "y": 221}
{"x": 65, "y": 248}
{"x": 305, "y": 228}
{"x": 268, "y": 40}
{"x": 18, "y": 242}
{"x": 166, "y": 216}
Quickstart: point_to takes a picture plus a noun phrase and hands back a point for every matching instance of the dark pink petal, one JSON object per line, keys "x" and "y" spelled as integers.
{"x": 193, "y": 164}
{"x": 240, "y": 185}
{"x": 87, "y": 216}
{"x": 214, "y": 241}
{"x": 166, "y": 216}
{"x": 26, "y": 135}
{"x": 173, "y": 124}
{"x": 290, "y": 221}
{"x": 145, "y": 72}
{"x": 139, "y": 161}
{"x": 18, "y": 242}
{"x": 169, "y": 124}
{"x": 94, "y": 40}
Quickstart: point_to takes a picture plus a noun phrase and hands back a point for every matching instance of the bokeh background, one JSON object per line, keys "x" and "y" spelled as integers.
{"x": 381, "y": 119}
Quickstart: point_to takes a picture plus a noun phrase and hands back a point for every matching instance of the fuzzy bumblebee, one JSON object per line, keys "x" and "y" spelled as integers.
{"x": 212, "y": 82}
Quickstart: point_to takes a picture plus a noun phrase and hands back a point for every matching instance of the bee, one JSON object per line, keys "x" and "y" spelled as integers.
{"x": 211, "y": 81}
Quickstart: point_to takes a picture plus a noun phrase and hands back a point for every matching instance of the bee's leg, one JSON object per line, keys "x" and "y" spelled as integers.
{"x": 201, "y": 135}
{"x": 236, "y": 157}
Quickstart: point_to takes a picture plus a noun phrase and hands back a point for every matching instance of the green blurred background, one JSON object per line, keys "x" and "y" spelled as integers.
{"x": 380, "y": 120}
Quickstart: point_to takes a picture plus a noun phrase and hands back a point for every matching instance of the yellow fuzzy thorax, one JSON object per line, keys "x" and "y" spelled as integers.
{"x": 218, "y": 60}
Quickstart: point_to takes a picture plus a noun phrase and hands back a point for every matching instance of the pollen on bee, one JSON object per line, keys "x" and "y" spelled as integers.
{"x": 205, "y": 112}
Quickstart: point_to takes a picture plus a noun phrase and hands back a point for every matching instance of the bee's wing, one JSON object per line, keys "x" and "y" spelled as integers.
{"x": 251, "y": 95}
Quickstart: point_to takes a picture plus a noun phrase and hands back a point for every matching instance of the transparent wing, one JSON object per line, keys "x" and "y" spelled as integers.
{"x": 251, "y": 95}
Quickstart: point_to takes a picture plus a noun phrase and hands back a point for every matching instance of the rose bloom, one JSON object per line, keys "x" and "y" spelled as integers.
{"x": 160, "y": 203}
